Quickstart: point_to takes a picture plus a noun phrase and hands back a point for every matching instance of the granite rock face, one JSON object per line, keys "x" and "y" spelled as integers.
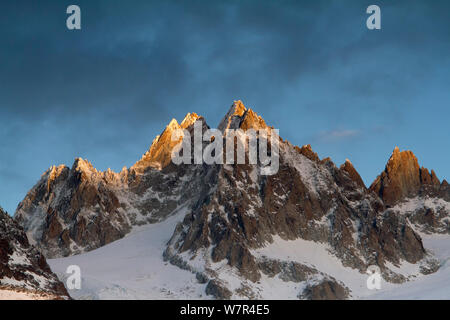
{"x": 403, "y": 177}
{"x": 234, "y": 210}
{"x": 308, "y": 199}
{"x": 73, "y": 209}
{"x": 78, "y": 209}
{"x": 22, "y": 267}
{"x": 326, "y": 290}
{"x": 417, "y": 193}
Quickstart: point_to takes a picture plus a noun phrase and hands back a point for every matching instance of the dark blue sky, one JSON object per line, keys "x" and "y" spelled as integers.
{"x": 310, "y": 68}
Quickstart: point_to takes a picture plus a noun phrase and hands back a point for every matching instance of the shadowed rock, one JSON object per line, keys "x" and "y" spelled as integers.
{"x": 22, "y": 267}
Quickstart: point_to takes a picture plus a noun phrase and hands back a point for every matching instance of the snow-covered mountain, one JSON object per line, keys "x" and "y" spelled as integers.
{"x": 24, "y": 272}
{"x": 227, "y": 231}
{"x": 414, "y": 192}
{"x": 78, "y": 209}
{"x": 134, "y": 268}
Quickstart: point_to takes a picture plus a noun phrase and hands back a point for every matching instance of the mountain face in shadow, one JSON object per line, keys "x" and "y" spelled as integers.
{"x": 23, "y": 269}
{"x": 234, "y": 212}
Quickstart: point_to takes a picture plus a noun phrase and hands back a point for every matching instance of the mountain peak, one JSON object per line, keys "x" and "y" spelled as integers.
{"x": 308, "y": 152}
{"x": 173, "y": 125}
{"x": 402, "y": 177}
{"x": 348, "y": 167}
{"x": 55, "y": 170}
{"x": 235, "y": 215}
{"x": 398, "y": 155}
{"x": 189, "y": 120}
{"x": 239, "y": 108}
{"x": 83, "y": 165}
{"x": 160, "y": 153}
{"x": 251, "y": 120}
{"x": 240, "y": 117}
{"x": 233, "y": 117}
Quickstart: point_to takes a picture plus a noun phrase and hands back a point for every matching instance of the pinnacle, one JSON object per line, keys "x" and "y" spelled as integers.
{"x": 173, "y": 124}
{"x": 240, "y": 117}
{"x": 398, "y": 155}
{"x": 83, "y": 165}
{"x": 238, "y": 108}
{"x": 189, "y": 119}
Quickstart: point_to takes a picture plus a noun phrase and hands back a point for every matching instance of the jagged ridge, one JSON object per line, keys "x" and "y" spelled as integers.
{"x": 23, "y": 268}
{"x": 234, "y": 210}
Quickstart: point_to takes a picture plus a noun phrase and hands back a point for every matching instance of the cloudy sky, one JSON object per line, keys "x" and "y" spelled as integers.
{"x": 310, "y": 68}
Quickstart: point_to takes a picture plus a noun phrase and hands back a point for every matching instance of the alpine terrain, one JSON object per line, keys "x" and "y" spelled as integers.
{"x": 226, "y": 231}
{"x": 24, "y": 272}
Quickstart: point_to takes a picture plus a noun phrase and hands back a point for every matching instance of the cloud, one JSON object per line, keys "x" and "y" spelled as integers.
{"x": 336, "y": 135}
{"x": 133, "y": 66}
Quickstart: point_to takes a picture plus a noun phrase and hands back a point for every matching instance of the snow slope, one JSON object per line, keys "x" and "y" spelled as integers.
{"x": 434, "y": 286}
{"x": 133, "y": 268}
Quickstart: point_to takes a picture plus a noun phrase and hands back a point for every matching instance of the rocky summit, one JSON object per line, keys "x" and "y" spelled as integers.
{"x": 240, "y": 229}
{"x": 406, "y": 187}
{"x": 404, "y": 178}
{"x": 24, "y": 272}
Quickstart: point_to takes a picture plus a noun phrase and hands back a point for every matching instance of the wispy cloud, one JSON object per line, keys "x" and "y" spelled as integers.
{"x": 336, "y": 135}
